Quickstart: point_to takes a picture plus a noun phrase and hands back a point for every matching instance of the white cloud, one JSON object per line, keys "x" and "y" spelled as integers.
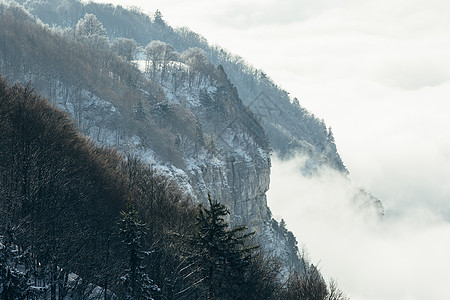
{"x": 400, "y": 257}
{"x": 378, "y": 72}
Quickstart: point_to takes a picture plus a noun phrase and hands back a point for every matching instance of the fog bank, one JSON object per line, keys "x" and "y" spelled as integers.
{"x": 401, "y": 256}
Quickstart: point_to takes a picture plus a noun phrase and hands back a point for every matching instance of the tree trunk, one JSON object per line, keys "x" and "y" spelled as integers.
{"x": 53, "y": 283}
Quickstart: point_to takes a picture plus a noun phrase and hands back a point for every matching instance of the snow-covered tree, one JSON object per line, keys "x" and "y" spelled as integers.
{"x": 169, "y": 55}
{"x": 154, "y": 52}
{"x": 159, "y": 54}
{"x": 198, "y": 63}
{"x": 90, "y": 25}
{"x": 136, "y": 281}
{"x": 91, "y": 32}
{"x": 196, "y": 58}
{"x": 126, "y": 48}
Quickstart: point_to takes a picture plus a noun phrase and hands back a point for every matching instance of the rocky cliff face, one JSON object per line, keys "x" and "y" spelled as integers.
{"x": 234, "y": 164}
{"x": 231, "y": 161}
{"x": 225, "y": 154}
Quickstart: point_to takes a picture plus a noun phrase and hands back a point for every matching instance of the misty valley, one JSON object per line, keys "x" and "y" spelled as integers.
{"x": 139, "y": 161}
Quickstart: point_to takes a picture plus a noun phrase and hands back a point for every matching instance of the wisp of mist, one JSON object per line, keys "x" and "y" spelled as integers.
{"x": 399, "y": 256}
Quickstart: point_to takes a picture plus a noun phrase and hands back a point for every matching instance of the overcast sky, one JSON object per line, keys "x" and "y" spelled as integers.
{"x": 378, "y": 72}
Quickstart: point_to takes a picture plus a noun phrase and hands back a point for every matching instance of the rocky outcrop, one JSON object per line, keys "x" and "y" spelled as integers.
{"x": 236, "y": 171}
{"x": 232, "y": 164}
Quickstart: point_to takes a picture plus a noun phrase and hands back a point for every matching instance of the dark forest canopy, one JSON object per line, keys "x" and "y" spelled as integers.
{"x": 80, "y": 220}
{"x": 61, "y": 196}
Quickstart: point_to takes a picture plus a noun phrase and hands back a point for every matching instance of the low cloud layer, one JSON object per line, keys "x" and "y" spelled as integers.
{"x": 402, "y": 256}
{"x": 378, "y": 72}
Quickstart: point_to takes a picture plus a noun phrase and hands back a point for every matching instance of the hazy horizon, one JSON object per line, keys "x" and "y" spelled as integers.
{"x": 378, "y": 73}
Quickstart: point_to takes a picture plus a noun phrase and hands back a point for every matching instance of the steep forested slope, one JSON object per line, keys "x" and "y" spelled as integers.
{"x": 290, "y": 128}
{"x": 61, "y": 197}
{"x": 191, "y": 123}
{"x": 84, "y": 222}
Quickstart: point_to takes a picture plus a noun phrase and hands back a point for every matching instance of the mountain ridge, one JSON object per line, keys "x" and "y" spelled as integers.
{"x": 197, "y": 123}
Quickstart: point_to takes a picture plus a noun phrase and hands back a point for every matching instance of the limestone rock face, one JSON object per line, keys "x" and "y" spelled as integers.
{"x": 249, "y": 182}
{"x": 232, "y": 163}
{"x": 237, "y": 171}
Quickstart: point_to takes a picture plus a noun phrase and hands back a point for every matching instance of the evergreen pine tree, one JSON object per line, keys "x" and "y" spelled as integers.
{"x": 136, "y": 281}
{"x": 224, "y": 253}
{"x": 159, "y": 18}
